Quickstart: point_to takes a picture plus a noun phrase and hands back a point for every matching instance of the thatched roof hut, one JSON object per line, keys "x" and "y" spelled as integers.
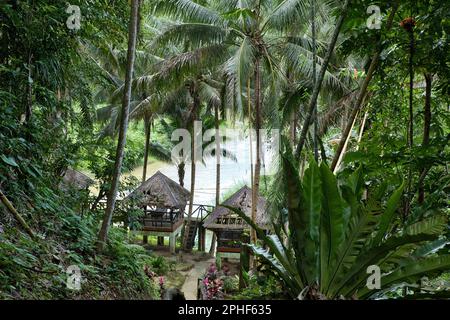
{"x": 76, "y": 179}
{"x": 162, "y": 192}
{"x": 224, "y": 219}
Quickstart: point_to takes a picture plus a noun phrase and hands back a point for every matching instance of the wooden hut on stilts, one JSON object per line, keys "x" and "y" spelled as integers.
{"x": 163, "y": 202}
{"x": 229, "y": 227}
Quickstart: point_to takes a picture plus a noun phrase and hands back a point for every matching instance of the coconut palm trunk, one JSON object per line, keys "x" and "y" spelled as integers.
{"x": 218, "y": 153}
{"x": 314, "y": 54}
{"x": 319, "y": 80}
{"x": 132, "y": 36}
{"x": 250, "y": 124}
{"x": 256, "y": 178}
{"x": 196, "y": 107}
{"x": 181, "y": 172}
{"x": 147, "y": 128}
{"x": 191, "y": 200}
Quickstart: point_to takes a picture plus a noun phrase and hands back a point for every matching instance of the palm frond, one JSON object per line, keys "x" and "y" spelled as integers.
{"x": 188, "y": 10}
{"x": 196, "y": 34}
{"x": 287, "y": 13}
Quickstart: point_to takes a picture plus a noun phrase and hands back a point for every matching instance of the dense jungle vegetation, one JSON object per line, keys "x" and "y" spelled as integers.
{"x": 360, "y": 97}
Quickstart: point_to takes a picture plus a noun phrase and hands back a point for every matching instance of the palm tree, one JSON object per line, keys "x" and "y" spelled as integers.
{"x": 248, "y": 31}
{"x": 132, "y": 37}
{"x": 111, "y": 64}
{"x": 255, "y": 36}
{"x": 318, "y": 84}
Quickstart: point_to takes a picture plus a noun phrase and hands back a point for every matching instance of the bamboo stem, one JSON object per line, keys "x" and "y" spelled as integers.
{"x": 361, "y": 130}
{"x": 341, "y": 155}
{"x": 16, "y": 215}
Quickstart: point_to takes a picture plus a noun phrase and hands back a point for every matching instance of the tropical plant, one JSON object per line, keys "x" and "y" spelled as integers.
{"x": 335, "y": 233}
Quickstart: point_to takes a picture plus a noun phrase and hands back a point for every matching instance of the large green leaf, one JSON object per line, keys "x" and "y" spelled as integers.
{"x": 332, "y": 229}
{"x": 356, "y": 182}
{"x": 9, "y": 160}
{"x": 413, "y": 269}
{"x": 435, "y": 224}
{"x": 297, "y": 223}
{"x": 388, "y": 214}
{"x": 309, "y": 230}
{"x": 196, "y": 33}
{"x": 291, "y": 284}
{"x": 359, "y": 229}
{"x": 355, "y": 277}
{"x": 430, "y": 247}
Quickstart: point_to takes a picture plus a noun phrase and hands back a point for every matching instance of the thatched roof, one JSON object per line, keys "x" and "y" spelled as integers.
{"x": 162, "y": 192}
{"x": 76, "y": 179}
{"x": 242, "y": 200}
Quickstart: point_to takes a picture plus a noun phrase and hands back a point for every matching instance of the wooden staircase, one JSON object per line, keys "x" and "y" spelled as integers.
{"x": 191, "y": 227}
{"x": 195, "y": 223}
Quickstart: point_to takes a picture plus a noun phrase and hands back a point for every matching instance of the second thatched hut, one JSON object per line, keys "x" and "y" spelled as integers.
{"x": 229, "y": 227}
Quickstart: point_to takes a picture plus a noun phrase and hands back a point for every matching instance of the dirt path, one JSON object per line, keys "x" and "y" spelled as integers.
{"x": 189, "y": 287}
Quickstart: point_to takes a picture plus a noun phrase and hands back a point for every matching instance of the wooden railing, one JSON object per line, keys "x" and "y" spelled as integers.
{"x": 237, "y": 221}
{"x": 202, "y": 211}
{"x": 226, "y": 243}
{"x": 159, "y": 218}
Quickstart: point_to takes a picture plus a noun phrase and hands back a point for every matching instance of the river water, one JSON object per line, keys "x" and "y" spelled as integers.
{"x": 234, "y": 174}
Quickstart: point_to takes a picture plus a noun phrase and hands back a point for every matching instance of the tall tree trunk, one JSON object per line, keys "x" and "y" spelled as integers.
{"x": 191, "y": 201}
{"x": 407, "y": 205}
{"x": 317, "y": 87}
{"x": 147, "y": 128}
{"x": 316, "y": 120}
{"x": 194, "y": 146}
{"x": 411, "y": 91}
{"x": 361, "y": 95}
{"x": 250, "y": 126}
{"x": 181, "y": 172}
{"x": 256, "y": 177}
{"x": 101, "y": 194}
{"x": 426, "y": 127}
{"x": 293, "y": 127}
{"x": 125, "y": 113}
{"x": 29, "y": 97}
{"x": 218, "y": 154}
{"x": 427, "y": 109}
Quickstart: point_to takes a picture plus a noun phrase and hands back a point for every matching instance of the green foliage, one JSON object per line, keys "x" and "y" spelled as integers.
{"x": 259, "y": 288}
{"x": 59, "y": 87}
{"x": 350, "y": 232}
{"x": 230, "y": 284}
{"x": 160, "y": 265}
{"x": 37, "y": 270}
